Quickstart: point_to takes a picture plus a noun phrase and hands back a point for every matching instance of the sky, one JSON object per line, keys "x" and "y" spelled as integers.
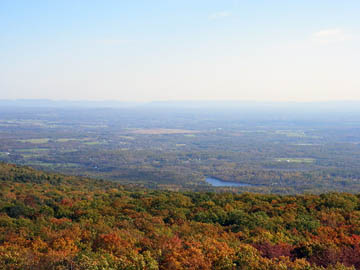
{"x": 141, "y": 50}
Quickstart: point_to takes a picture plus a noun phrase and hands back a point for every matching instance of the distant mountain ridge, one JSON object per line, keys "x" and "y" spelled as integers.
{"x": 177, "y": 103}
{"x": 66, "y": 103}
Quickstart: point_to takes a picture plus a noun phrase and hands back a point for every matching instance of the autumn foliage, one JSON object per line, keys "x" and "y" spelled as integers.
{"x": 51, "y": 221}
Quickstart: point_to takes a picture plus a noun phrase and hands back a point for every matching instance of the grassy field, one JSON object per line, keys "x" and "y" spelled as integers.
{"x": 36, "y": 141}
{"x": 62, "y": 140}
{"x": 93, "y": 143}
{"x": 31, "y": 150}
{"x": 126, "y": 137}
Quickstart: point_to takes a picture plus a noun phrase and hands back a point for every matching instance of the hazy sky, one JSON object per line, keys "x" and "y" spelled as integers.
{"x": 142, "y": 50}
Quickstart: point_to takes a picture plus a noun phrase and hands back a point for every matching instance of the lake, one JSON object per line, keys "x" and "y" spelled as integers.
{"x": 220, "y": 183}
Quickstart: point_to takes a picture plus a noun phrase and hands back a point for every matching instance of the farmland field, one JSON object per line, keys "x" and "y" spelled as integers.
{"x": 161, "y": 131}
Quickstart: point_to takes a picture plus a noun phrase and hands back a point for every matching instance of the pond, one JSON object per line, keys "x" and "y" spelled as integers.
{"x": 220, "y": 183}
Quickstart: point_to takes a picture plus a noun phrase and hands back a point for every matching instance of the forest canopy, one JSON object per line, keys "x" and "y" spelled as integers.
{"x": 53, "y": 221}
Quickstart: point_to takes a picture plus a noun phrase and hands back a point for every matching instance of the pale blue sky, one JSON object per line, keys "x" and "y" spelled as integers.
{"x": 180, "y": 50}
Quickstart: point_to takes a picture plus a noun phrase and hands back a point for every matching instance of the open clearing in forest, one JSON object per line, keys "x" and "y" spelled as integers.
{"x": 36, "y": 141}
{"x": 62, "y": 140}
{"x": 295, "y": 160}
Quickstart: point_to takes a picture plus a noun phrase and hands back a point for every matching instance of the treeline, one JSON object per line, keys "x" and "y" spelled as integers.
{"x": 52, "y": 221}
{"x": 187, "y": 170}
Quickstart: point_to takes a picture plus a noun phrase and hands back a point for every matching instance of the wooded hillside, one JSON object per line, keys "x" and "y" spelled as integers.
{"x": 52, "y": 221}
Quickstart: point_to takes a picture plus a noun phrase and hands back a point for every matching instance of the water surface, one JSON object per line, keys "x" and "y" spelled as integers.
{"x": 220, "y": 183}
